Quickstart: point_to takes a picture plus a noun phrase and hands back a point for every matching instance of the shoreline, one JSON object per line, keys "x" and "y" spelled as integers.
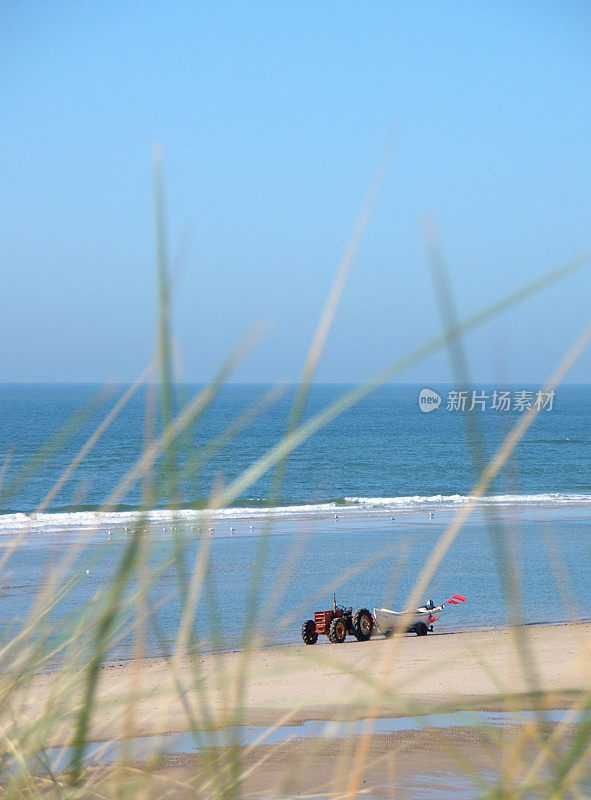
{"x": 466, "y": 628}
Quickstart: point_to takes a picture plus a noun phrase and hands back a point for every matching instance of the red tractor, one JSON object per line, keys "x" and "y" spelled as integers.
{"x": 336, "y": 623}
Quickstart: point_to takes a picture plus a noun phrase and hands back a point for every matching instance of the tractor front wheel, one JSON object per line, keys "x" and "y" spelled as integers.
{"x": 309, "y": 634}
{"x": 421, "y": 629}
{"x": 337, "y": 630}
{"x": 362, "y": 624}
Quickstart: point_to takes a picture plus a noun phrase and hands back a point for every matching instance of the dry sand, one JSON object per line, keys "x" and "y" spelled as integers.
{"x": 382, "y": 677}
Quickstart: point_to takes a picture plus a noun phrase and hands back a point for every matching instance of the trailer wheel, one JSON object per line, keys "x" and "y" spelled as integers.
{"x": 421, "y": 629}
{"x": 337, "y": 630}
{"x": 309, "y": 634}
{"x": 362, "y": 624}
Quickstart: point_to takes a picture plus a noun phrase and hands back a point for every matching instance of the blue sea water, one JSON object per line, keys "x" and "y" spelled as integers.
{"x": 384, "y": 447}
{"x": 360, "y": 509}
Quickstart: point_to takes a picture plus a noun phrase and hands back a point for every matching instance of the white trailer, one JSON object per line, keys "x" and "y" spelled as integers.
{"x": 419, "y": 621}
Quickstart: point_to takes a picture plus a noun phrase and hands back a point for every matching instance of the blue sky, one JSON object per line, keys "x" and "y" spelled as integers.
{"x": 271, "y": 118}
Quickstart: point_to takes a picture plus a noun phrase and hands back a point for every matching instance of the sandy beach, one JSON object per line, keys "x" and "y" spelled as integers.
{"x": 393, "y": 677}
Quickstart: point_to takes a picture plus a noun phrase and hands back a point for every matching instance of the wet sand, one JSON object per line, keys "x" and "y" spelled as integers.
{"x": 411, "y": 764}
{"x": 454, "y": 763}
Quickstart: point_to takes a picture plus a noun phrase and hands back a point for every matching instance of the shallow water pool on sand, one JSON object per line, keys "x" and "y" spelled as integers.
{"x": 420, "y": 779}
{"x": 143, "y": 747}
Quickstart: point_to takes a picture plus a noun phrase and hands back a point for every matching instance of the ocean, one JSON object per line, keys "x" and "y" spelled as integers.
{"x": 359, "y": 509}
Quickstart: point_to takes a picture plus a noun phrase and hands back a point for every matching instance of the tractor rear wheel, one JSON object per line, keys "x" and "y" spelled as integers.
{"x": 337, "y": 630}
{"x": 421, "y": 629}
{"x": 309, "y": 634}
{"x": 362, "y": 624}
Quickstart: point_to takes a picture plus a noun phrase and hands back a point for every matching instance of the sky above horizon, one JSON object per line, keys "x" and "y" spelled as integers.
{"x": 272, "y": 118}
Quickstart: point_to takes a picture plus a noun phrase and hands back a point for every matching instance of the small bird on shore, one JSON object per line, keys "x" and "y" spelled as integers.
{"x": 231, "y": 530}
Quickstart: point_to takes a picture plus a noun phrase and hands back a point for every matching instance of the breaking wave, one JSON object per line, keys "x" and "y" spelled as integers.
{"x": 14, "y": 523}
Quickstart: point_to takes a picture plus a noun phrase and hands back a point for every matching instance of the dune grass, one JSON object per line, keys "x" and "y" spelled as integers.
{"x": 126, "y": 604}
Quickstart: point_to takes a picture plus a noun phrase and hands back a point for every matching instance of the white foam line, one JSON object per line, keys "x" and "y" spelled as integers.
{"x": 67, "y": 521}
